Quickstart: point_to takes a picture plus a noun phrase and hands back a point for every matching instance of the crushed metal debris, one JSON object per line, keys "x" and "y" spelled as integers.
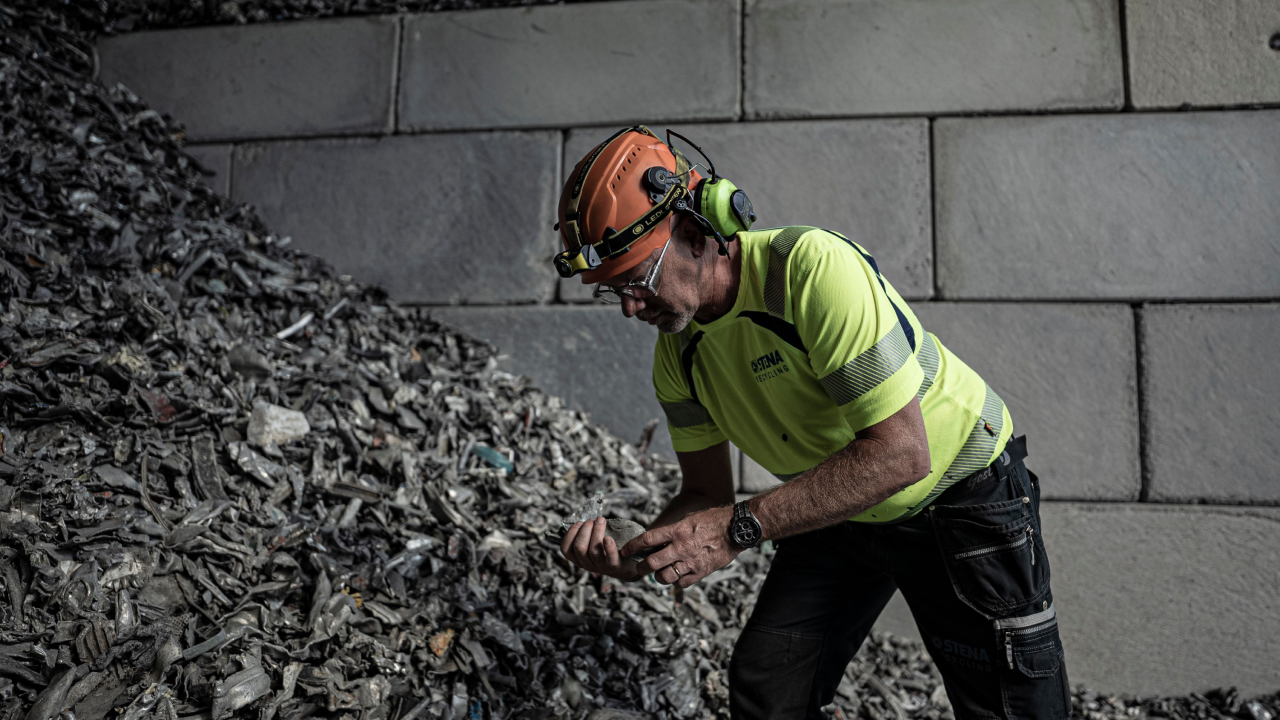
{"x": 130, "y": 15}
{"x": 234, "y": 484}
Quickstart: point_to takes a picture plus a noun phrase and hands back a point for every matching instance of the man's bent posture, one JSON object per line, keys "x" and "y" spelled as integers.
{"x": 900, "y": 464}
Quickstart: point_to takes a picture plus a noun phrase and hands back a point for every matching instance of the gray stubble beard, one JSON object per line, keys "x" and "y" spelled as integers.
{"x": 675, "y": 324}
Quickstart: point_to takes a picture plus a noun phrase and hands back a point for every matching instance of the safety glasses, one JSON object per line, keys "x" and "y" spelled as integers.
{"x": 641, "y": 288}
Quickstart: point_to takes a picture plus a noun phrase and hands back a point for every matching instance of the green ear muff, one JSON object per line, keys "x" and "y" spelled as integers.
{"x": 726, "y": 207}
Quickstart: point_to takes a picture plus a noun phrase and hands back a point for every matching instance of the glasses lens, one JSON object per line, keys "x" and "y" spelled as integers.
{"x": 605, "y": 294}
{"x": 641, "y": 288}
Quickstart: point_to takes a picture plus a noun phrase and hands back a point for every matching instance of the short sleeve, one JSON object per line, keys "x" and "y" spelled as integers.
{"x": 857, "y": 346}
{"x": 692, "y": 427}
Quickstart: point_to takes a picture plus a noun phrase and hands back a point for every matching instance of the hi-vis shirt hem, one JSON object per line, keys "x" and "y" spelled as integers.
{"x": 694, "y": 443}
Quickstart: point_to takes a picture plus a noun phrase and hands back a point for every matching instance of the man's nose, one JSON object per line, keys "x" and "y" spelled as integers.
{"x": 631, "y": 306}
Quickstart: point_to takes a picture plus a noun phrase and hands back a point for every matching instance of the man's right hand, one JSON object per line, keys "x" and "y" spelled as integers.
{"x": 587, "y": 546}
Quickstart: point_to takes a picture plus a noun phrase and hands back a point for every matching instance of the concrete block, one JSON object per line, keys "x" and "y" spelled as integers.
{"x": 1200, "y": 54}
{"x": 867, "y": 179}
{"x": 218, "y": 159}
{"x": 433, "y": 219}
{"x": 1212, "y": 402}
{"x": 592, "y": 357}
{"x": 572, "y": 290}
{"x": 1159, "y": 600}
{"x": 571, "y": 65}
{"x": 867, "y": 57}
{"x": 271, "y": 80}
{"x": 1068, "y": 374}
{"x": 1118, "y": 207}
{"x": 1167, "y": 600}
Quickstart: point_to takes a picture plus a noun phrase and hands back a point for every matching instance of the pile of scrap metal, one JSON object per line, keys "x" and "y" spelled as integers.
{"x": 235, "y": 484}
{"x": 129, "y": 15}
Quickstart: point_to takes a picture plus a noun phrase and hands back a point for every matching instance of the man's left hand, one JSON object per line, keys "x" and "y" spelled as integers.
{"x": 696, "y": 546}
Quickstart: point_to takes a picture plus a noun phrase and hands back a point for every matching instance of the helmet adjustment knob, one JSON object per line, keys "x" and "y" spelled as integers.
{"x": 659, "y": 180}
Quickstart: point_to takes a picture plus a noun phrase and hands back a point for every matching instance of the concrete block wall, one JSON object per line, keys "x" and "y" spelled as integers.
{"x": 1081, "y": 198}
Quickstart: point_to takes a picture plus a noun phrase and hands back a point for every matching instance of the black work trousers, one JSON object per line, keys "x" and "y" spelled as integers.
{"x": 973, "y": 569}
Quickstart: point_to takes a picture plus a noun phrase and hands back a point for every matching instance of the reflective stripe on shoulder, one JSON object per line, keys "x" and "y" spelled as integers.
{"x": 865, "y": 372}
{"x": 685, "y": 414}
{"x": 775, "y": 279}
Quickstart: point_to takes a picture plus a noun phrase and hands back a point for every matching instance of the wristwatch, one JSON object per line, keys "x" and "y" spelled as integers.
{"x": 744, "y": 529}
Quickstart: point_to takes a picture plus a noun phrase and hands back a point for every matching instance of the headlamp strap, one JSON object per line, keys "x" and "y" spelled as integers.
{"x": 620, "y": 240}
{"x": 590, "y": 256}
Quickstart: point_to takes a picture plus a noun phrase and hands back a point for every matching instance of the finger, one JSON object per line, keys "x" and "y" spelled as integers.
{"x": 649, "y": 538}
{"x": 659, "y": 560}
{"x": 583, "y": 541}
{"x": 687, "y": 580}
{"x": 611, "y": 554}
{"x": 666, "y": 576}
{"x": 567, "y": 542}
{"x": 678, "y": 571}
{"x": 597, "y": 539}
{"x": 692, "y": 573}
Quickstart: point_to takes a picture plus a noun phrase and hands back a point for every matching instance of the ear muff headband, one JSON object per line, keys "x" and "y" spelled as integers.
{"x": 719, "y": 201}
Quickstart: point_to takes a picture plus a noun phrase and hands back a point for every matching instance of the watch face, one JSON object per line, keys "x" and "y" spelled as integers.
{"x": 746, "y": 531}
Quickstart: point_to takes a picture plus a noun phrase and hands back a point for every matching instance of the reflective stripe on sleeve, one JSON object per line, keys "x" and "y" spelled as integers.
{"x": 865, "y": 372}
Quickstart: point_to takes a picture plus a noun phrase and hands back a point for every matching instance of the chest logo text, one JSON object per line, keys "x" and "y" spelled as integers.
{"x": 769, "y": 366}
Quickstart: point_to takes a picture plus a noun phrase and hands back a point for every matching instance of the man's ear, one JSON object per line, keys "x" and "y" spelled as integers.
{"x": 697, "y": 241}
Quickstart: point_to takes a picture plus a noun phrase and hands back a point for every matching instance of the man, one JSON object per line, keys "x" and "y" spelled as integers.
{"x": 900, "y": 464}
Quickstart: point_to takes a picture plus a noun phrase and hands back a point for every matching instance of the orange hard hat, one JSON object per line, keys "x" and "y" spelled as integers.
{"x": 615, "y": 203}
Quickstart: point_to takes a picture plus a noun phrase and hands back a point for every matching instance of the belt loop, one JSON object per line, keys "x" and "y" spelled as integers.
{"x": 1011, "y": 470}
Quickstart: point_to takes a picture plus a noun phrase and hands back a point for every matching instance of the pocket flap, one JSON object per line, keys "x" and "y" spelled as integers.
{"x": 1039, "y": 661}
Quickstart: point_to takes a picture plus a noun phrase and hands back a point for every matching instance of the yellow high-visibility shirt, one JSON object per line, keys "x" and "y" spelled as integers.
{"x": 818, "y": 346}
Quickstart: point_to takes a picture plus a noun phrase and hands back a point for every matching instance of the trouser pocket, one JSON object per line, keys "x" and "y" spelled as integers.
{"x": 1033, "y": 680}
{"x": 771, "y": 673}
{"x": 993, "y": 554}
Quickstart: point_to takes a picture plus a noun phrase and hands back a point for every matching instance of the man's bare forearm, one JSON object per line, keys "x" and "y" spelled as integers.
{"x": 682, "y": 505}
{"x": 869, "y": 470}
{"x": 706, "y": 482}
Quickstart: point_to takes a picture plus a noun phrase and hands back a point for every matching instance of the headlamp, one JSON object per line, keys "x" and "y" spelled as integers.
{"x": 579, "y": 260}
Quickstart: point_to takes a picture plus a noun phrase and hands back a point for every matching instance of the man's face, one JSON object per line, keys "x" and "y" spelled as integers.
{"x": 678, "y": 299}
